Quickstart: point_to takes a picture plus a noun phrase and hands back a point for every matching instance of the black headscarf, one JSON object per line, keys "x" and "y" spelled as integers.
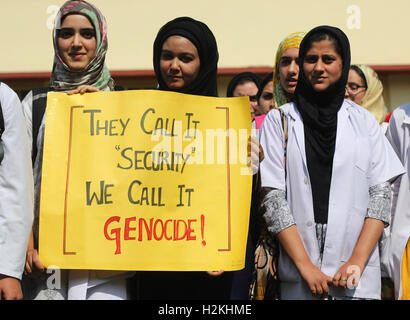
{"x": 319, "y": 113}
{"x": 265, "y": 81}
{"x": 239, "y": 77}
{"x": 203, "y": 39}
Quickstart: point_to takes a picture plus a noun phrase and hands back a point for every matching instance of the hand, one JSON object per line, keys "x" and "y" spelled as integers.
{"x": 255, "y": 153}
{"x": 316, "y": 280}
{"x": 83, "y": 89}
{"x": 215, "y": 273}
{"x": 33, "y": 264}
{"x": 387, "y": 289}
{"x": 261, "y": 154}
{"x": 348, "y": 275}
{"x": 10, "y": 288}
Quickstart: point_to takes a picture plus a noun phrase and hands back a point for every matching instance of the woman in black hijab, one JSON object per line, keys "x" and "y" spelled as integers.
{"x": 319, "y": 111}
{"x": 245, "y": 84}
{"x": 202, "y": 38}
{"x": 242, "y": 78}
{"x": 329, "y": 206}
{"x": 185, "y": 61}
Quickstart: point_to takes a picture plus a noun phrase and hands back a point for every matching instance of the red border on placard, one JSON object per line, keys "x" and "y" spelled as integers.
{"x": 65, "y": 252}
{"x": 228, "y": 180}
{"x": 66, "y": 183}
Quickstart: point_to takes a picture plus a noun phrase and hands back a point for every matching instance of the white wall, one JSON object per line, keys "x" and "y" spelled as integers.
{"x": 248, "y": 32}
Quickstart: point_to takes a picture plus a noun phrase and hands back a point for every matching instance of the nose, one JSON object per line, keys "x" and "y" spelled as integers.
{"x": 293, "y": 68}
{"x": 319, "y": 65}
{"x": 174, "y": 63}
{"x": 346, "y": 94}
{"x": 77, "y": 40}
{"x": 254, "y": 106}
{"x": 174, "y": 67}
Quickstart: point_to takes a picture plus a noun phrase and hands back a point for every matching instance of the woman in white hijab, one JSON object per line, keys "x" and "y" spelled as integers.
{"x": 365, "y": 89}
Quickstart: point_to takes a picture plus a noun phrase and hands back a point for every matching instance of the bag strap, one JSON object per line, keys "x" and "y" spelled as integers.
{"x": 285, "y": 133}
{"x": 38, "y": 110}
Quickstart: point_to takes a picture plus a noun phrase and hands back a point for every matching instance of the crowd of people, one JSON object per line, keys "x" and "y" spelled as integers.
{"x": 330, "y": 201}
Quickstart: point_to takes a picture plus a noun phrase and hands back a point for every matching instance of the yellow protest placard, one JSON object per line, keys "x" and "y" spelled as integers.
{"x": 145, "y": 180}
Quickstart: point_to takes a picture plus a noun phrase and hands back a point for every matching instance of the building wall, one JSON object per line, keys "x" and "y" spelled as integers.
{"x": 247, "y": 32}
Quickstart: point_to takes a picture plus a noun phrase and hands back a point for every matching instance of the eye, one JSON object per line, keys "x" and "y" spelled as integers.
{"x": 252, "y": 98}
{"x": 311, "y": 59}
{"x": 285, "y": 61}
{"x": 328, "y": 59}
{"x": 87, "y": 33}
{"x": 166, "y": 55}
{"x": 65, "y": 33}
{"x": 186, "y": 58}
{"x": 267, "y": 96}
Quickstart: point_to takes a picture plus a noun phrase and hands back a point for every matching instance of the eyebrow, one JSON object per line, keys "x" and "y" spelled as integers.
{"x": 355, "y": 83}
{"x": 289, "y": 57}
{"x": 185, "y": 52}
{"x": 323, "y": 55}
{"x": 71, "y": 28}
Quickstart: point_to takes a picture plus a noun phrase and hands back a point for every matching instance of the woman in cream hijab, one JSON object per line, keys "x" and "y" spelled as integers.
{"x": 286, "y": 69}
{"x": 365, "y": 88}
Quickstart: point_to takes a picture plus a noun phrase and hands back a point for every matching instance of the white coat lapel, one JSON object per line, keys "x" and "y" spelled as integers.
{"x": 343, "y": 162}
{"x": 344, "y": 153}
{"x": 406, "y": 119}
{"x": 344, "y": 137}
{"x": 298, "y": 132}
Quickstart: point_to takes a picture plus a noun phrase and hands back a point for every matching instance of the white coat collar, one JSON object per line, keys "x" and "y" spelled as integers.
{"x": 298, "y": 129}
{"x": 406, "y": 119}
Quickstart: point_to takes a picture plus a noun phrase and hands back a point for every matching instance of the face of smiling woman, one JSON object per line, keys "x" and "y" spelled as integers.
{"x": 322, "y": 65}
{"x": 76, "y": 42}
{"x": 179, "y": 62}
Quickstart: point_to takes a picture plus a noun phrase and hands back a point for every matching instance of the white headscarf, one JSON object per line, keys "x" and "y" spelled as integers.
{"x": 373, "y": 99}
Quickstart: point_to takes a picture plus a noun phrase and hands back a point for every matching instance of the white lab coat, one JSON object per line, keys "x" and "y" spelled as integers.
{"x": 363, "y": 158}
{"x": 398, "y": 133}
{"x": 16, "y": 187}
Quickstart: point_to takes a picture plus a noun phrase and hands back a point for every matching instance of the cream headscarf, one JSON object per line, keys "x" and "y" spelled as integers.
{"x": 291, "y": 41}
{"x": 373, "y": 99}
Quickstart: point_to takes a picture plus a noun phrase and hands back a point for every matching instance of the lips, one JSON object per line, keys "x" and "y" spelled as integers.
{"x": 174, "y": 78}
{"x": 291, "y": 82}
{"x": 320, "y": 79}
{"x": 76, "y": 55}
